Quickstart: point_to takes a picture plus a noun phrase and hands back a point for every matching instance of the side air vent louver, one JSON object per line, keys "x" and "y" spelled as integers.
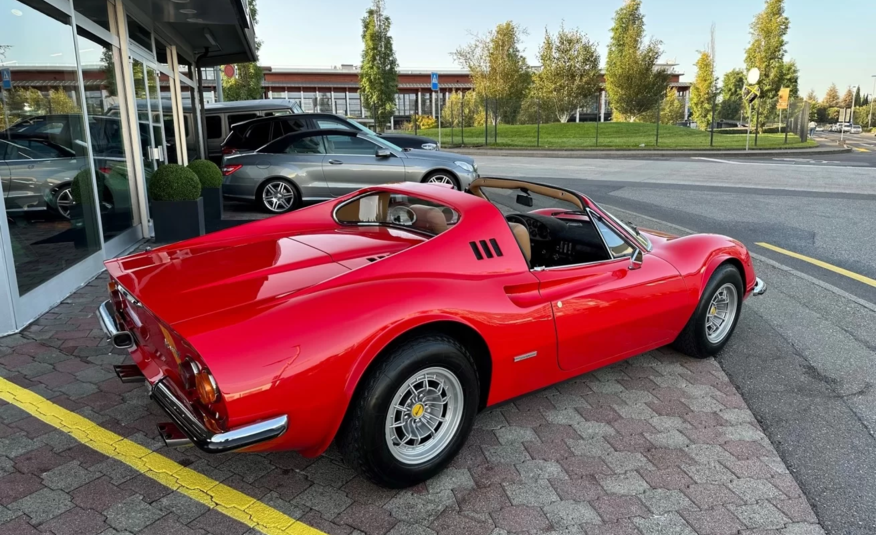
{"x": 375, "y": 258}
{"x": 485, "y": 247}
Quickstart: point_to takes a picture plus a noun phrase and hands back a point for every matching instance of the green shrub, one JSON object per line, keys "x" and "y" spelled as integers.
{"x": 208, "y": 173}
{"x": 82, "y": 178}
{"x": 174, "y": 182}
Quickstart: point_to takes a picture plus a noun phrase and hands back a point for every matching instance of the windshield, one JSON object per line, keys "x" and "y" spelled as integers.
{"x": 517, "y": 200}
{"x": 361, "y": 127}
{"x": 631, "y": 229}
{"x": 384, "y": 143}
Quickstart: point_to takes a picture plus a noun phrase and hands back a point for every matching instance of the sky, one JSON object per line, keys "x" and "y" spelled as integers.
{"x": 321, "y": 34}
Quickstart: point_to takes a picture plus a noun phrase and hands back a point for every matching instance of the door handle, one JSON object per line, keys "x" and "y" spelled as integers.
{"x": 336, "y": 162}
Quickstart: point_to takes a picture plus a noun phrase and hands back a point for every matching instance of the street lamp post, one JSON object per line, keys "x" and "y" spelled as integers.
{"x": 872, "y": 96}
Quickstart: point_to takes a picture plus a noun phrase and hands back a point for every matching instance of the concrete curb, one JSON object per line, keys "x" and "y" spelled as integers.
{"x": 651, "y": 153}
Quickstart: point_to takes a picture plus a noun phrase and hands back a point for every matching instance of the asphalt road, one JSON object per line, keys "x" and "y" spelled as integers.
{"x": 863, "y": 153}
{"x": 803, "y": 354}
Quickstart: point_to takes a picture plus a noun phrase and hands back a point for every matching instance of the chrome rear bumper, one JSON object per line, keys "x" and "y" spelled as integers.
{"x": 206, "y": 439}
{"x": 759, "y": 287}
{"x": 109, "y": 323}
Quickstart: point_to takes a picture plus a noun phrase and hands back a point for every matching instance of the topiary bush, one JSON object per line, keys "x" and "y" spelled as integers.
{"x": 81, "y": 178}
{"x": 208, "y": 173}
{"x": 173, "y": 182}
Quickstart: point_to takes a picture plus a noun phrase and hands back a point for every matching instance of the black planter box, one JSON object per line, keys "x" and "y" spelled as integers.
{"x": 212, "y": 203}
{"x": 177, "y": 220}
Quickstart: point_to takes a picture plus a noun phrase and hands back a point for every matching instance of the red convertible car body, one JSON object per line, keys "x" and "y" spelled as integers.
{"x": 276, "y": 323}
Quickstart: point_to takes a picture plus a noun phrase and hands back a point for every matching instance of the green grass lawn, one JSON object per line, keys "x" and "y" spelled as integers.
{"x": 611, "y": 136}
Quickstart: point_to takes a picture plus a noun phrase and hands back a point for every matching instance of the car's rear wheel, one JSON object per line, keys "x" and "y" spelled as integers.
{"x": 277, "y": 196}
{"x": 442, "y": 177}
{"x": 64, "y": 201}
{"x": 412, "y": 413}
{"x": 716, "y": 315}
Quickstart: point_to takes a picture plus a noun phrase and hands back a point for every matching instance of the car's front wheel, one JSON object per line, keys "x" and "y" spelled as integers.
{"x": 277, "y": 196}
{"x": 716, "y": 315}
{"x": 442, "y": 177}
{"x": 412, "y": 413}
{"x": 64, "y": 201}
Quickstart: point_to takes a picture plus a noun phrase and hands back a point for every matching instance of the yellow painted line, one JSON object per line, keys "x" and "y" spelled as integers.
{"x": 819, "y": 263}
{"x": 193, "y": 484}
{"x": 859, "y": 149}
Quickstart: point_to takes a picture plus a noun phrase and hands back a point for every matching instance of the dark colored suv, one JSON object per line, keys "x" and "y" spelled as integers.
{"x": 250, "y": 135}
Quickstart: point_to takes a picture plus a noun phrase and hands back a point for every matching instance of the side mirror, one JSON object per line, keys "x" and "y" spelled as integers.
{"x": 637, "y": 259}
{"x": 382, "y": 153}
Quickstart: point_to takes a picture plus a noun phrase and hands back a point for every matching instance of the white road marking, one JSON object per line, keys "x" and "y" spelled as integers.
{"x": 857, "y": 167}
{"x": 715, "y": 160}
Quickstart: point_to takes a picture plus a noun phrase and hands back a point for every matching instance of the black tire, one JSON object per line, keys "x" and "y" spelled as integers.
{"x": 693, "y": 340}
{"x": 362, "y": 438}
{"x": 64, "y": 201}
{"x": 275, "y": 182}
{"x": 448, "y": 174}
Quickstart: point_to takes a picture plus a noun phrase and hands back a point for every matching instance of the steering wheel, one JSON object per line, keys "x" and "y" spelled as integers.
{"x": 402, "y": 215}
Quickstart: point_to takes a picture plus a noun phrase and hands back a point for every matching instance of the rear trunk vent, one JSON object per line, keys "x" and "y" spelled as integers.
{"x": 481, "y": 248}
{"x": 376, "y": 258}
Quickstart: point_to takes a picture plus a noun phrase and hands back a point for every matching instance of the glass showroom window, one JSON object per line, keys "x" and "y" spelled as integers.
{"x": 101, "y": 61}
{"x": 47, "y": 179}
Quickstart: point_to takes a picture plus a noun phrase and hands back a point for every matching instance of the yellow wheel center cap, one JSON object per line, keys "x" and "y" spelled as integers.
{"x": 418, "y": 410}
{"x": 713, "y": 311}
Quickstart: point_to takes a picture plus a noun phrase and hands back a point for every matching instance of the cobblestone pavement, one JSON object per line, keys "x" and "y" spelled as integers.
{"x": 660, "y": 444}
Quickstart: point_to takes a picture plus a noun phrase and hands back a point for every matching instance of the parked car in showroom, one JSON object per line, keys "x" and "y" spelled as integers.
{"x": 250, "y": 135}
{"x": 320, "y": 164}
{"x": 405, "y": 309}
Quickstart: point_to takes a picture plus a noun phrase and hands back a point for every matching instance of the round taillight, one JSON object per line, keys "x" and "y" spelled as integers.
{"x": 189, "y": 370}
{"x": 208, "y": 392}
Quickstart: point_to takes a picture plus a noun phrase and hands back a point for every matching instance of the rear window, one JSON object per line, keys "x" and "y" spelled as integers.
{"x": 214, "y": 127}
{"x": 394, "y": 210}
{"x": 240, "y": 117}
{"x": 259, "y": 135}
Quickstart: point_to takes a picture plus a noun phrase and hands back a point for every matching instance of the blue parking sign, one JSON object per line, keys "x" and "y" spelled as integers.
{"x": 6, "y": 75}
{"x": 434, "y": 81}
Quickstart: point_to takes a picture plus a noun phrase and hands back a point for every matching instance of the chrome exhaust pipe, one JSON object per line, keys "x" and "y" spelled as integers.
{"x": 172, "y": 436}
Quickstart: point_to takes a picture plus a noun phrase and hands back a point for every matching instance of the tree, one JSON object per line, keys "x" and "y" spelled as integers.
{"x": 569, "y": 75}
{"x": 811, "y": 97}
{"x": 767, "y": 48}
{"x": 791, "y": 78}
{"x": 498, "y": 68}
{"x": 634, "y": 83}
{"x": 453, "y": 113}
{"x": 731, "y": 95}
{"x": 831, "y": 98}
{"x": 702, "y": 91}
{"x": 247, "y": 84}
{"x": 60, "y": 102}
{"x": 848, "y": 99}
{"x": 858, "y": 96}
{"x": 378, "y": 76}
{"x": 671, "y": 110}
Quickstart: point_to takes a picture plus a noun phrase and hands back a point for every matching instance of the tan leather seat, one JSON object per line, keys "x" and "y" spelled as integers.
{"x": 429, "y": 218}
{"x": 522, "y": 235}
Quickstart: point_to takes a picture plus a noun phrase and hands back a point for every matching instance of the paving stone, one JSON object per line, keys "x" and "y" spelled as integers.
{"x": 585, "y": 489}
{"x": 581, "y": 466}
{"x": 743, "y": 432}
{"x": 668, "y": 478}
{"x": 132, "y": 514}
{"x": 668, "y": 458}
{"x": 516, "y": 435}
{"x": 623, "y": 461}
{"x": 802, "y": 529}
{"x": 567, "y": 416}
{"x": 76, "y": 521}
{"x": 490, "y": 420}
{"x": 621, "y": 527}
{"x": 482, "y": 500}
{"x": 567, "y": 401}
{"x": 521, "y": 518}
{"x": 149, "y": 489}
{"x": 117, "y": 471}
{"x": 510, "y": 454}
{"x": 753, "y": 490}
{"x": 751, "y": 468}
{"x": 327, "y": 500}
{"x": 530, "y": 470}
{"x": 286, "y": 483}
{"x": 668, "y": 524}
{"x": 668, "y": 439}
{"x": 629, "y": 443}
{"x": 492, "y": 474}
{"x": 709, "y": 473}
{"x": 11, "y": 413}
{"x": 15, "y": 445}
{"x": 534, "y": 493}
{"x": 251, "y": 467}
{"x": 367, "y": 518}
{"x": 452, "y": 523}
{"x": 614, "y": 508}
{"x": 638, "y": 411}
{"x": 16, "y": 485}
{"x": 78, "y": 390}
{"x": 798, "y": 510}
{"x": 38, "y": 461}
{"x": 630, "y": 483}
{"x": 571, "y": 513}
{"x": 703, "y": 404}
{"x": 169, "y": 525}
{"x": 59, "y": 441}
{"x": 631, "y": 426}
{"x": 706, "y": 453}
{"x": 415, "y": 509}
{"x": 186, "y": 509}
{"x": 550, "y": 451}
{"x": 715, "y": 521}
{"x": 215, "y": 522}
{"x": 42, "y": 505}
{"x": 661, "y": 501}
{"x": 590, "y": 430}
{"x": 524, "y": 418}
{"x": 403, "y": 528}
{"x": 451, "y": 478}
{"x": 68, "y": 477}
{"x": 18, "y": 526}
{"x": 760, "y": 515}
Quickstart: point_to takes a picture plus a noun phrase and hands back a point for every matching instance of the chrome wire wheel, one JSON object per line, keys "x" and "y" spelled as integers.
{"x": 424, "y": 415}
{"x": 441, "y": 179}
{"x": 721, "y": 313}
{"x": 65, "y": 202}
{"x": 278, "y": 196}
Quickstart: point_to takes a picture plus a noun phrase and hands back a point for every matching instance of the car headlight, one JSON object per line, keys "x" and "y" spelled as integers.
{"x": 465, "y": 165}
{"x": 429, "y": 146}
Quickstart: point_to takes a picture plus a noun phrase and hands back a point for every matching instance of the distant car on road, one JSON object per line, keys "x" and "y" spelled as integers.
{"x": 321, "y": 164}
{"x": 819, "y": 128}
{"x": 856, "y": 129}
{"x": 250, "y": 135}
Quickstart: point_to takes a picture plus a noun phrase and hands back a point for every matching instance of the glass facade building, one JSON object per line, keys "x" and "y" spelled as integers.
{"x": 97, "y": 94}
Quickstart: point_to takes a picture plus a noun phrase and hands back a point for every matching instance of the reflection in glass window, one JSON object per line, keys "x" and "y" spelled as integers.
{"x": 617, "y": 245}
{"x": 100, "y": 60}
{"x": 49, "y": 201}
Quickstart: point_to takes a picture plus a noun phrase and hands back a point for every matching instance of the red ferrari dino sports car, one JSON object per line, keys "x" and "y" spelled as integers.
{"x": 387, "y": 318}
